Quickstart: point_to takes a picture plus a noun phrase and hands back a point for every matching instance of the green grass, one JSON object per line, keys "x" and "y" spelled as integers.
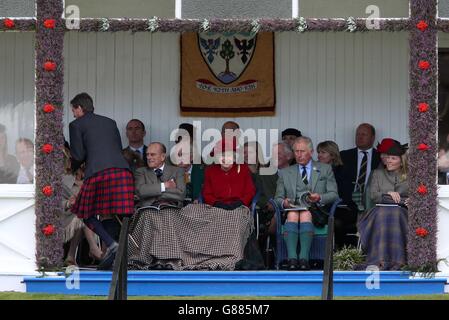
{"x": 42, "y": 296}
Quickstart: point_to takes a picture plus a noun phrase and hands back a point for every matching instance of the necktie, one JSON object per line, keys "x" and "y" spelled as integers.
{"x": 158, "y": 173}
{"x": 304, "y": 175}
{"x": 362, "y": 172}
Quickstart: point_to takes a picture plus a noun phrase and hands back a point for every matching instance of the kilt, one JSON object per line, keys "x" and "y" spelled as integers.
{"x": 110, "y": 191}
{"x": 383, "y": 235}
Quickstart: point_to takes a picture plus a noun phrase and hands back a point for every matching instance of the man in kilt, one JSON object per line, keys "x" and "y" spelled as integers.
{"x": 108, "y": 186}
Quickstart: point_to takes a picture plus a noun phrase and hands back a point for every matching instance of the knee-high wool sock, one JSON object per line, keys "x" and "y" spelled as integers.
{"x": 291, "y": 238}
{"x": 306, "y": 232}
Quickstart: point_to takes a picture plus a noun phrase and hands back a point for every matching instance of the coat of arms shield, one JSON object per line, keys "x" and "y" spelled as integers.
{"x": 227, "y": 54}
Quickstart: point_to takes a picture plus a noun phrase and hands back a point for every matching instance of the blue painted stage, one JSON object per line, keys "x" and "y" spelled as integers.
{"x": 240, "y": 283}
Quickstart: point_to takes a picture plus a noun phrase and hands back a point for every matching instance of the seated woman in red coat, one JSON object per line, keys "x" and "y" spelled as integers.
{"x": 227, "y": 185}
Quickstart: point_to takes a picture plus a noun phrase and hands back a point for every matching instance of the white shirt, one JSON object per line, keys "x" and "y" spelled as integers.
{"x": 22, "y": 178}
{"x": 368, "y": 164}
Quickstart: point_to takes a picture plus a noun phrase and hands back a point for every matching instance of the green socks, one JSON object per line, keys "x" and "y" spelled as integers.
{"x": 306, "y": 231}
{"x": 291, "y": 238}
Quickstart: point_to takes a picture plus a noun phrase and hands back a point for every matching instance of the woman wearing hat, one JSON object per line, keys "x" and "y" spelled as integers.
{"x": 383, "y": 230}
{"x": 228, "y": 185}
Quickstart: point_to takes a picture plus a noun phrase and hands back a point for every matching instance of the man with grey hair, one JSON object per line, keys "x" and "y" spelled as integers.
{"x": 310, "y": 180}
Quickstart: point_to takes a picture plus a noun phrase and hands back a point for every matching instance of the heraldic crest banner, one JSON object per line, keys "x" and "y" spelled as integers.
{"x": 227, "y": 74}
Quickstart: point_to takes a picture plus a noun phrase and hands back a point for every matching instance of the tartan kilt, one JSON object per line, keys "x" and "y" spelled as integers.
{"x": 110, "y": 191}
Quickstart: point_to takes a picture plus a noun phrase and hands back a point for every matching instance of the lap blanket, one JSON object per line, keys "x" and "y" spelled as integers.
{"x": 383, "y": 235}
{"x": 195, "y": 237}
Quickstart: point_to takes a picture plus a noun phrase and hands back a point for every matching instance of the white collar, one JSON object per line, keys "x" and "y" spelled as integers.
{"x": 137, "y": 149}
{"x": 369, "y": 151}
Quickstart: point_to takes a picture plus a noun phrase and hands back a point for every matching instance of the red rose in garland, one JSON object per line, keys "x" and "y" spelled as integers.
{"x": 421, "y": 232}
{"x": 423, "y": 147}
{"x": 424, "y": 65}
{"x": 50, "y": 23}
{"x": 47, "y": 148}
{"x": 422, "y": 189}
{"x": 422, "y": 25}
{"x": 48, "y": 230}
{"x": 50, "y": 66}
{"x": 8, "y": 23}
{"x": 47, "y": 190}
{"x": 48, "y": 108}
{"x": 423, "y": 107}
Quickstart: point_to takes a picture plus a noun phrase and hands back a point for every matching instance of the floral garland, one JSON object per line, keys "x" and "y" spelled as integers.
{"x": 49, "y": 132}
{"x": 50, "y": 28}
{"x": 244, "y": 25}
{"x": 7, "y": 24}
{"x": 423, "y": 119}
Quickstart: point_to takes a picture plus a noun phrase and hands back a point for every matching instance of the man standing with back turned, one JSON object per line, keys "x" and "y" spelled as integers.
{"x": 108, "y": 186}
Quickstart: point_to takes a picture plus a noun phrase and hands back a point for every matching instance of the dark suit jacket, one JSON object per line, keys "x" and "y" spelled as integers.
{"x": 348, "y": 174}
{"x": 95, "y": 140}
{"x": 148, "y": 187}
{"x": 266, "y": 186}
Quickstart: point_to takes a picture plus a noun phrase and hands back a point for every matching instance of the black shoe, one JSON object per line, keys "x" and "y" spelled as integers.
{"x": 168, "y": 267}
{"x": 109, "y": 257}
{"x": 304, "y": 265}
{"x": 284, "y": 265}
{"x": 292, "y": 264}
{"x": 158, "y": 266}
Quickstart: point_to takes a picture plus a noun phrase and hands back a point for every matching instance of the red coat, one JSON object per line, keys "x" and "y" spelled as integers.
{"x": 228, "y": 187}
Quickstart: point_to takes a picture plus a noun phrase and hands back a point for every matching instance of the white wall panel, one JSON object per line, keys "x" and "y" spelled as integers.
{"x": 326, "y": 83}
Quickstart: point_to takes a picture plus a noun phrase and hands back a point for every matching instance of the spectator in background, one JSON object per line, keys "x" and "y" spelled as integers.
{"x": 329, "y": 153}
{"x": 183, "y": 157}
{"x": 358, "y": 164}
{"x": 73, "y": 226}
{"x": 25, "y": 156}
{"x": 289, "y": 136}
{"x": 253, "y": 157}
{"x": 136, "y": 152}
{"x": 443, "y": 162}
{"x": 9, "y": 167}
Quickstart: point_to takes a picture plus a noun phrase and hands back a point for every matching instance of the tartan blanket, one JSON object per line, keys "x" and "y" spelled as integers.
{"x": 195, "y": 237}
{"x": 383, "y": 235}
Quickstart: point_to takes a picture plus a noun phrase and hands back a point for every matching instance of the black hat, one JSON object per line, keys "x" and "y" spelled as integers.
{"x": 396, "y": 149}
{"x": 291, "y": 132}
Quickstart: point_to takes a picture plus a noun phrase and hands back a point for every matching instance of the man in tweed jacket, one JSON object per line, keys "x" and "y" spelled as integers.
{"x": 159, "y": 182}
{"x": 306, "y": 176}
